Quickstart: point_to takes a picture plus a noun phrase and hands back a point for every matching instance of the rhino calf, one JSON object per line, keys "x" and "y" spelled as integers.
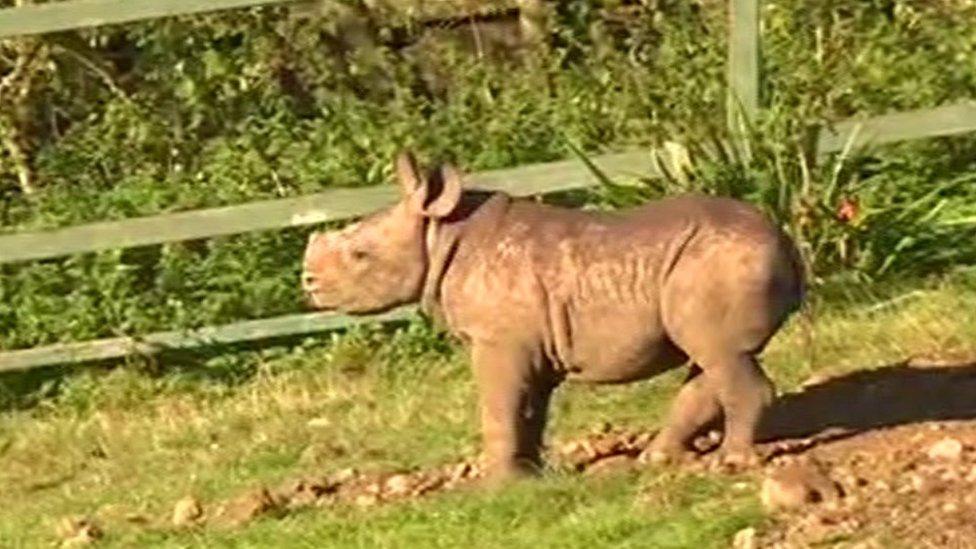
{"x": 541, "y": 294}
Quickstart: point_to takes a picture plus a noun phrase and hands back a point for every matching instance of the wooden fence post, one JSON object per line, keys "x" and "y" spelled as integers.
{"x": 533, "y": 21}
{"x": 745, "y": 75}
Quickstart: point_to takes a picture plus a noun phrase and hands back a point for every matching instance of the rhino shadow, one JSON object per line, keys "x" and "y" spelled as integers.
{"x": 873, "y": 399}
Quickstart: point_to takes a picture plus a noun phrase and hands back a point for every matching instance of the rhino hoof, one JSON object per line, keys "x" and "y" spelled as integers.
{"x": 738, "y": 461}
{"x": 655, "y": 456}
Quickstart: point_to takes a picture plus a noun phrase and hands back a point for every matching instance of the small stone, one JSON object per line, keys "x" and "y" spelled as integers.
{"x": 570, "y": 448}
{"x": 606, "y": 447}
{"x": 319, "y": 422}
{"x": 919, "y": 483}
{"x": 708, "y": 442}
{"x": 950, "y": 507}
{"x": 77, "y": 531}
{"x": 947, "y": 449}
{"x": 460, "y": 472}
{"x": 745, "y": 539}
{"x": 187, "y": 511}
{"x": 367, "y": 500}
{"x": 345, "y": 475}
{"x": 795, "y": 485}
{"x": 429, "y": 484}
{"x": 949, "y": 475}
{"x": 398, "y": 485}
{"x": 642, "y": 440}
{"x": 306, "y": 492}
{"x": 249, "y": 506}
{"x": 619, "y": 462}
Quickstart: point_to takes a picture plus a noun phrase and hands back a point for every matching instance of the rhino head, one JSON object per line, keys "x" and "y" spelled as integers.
{"x": 381, "y": 261}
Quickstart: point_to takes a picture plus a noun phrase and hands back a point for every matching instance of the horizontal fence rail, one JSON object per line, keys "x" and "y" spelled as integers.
{"x": 523, "y": 181}
{"x": 335, "y": 205}
{"x": 76, "y": 14}
{"x": 935, "y": 122}
{"x": 177, "y": 340}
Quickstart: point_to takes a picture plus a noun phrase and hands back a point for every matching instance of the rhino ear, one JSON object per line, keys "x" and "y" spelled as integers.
{"x": 407, "y": 173}
{"x": 440, "y": 193}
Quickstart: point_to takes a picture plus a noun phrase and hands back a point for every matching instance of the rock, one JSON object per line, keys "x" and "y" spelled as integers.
{"x": 77, "y": 531}
{"x": 745, "y": 539}
{"x": 367, "y": 500}
{"x": 461, "y": 471}
{"x": 605, "y": 447}
{"x": 374, "y": 488}
{"x": 306, "y": 492}
{"x": 319, "y": 422}
{"x": 619, "y": 462}
{"x": 430, "y": 484}
{"x": 249, "y": 506}
{"x": 947, "y": 449}
{"x": 795, "y": 485}
{"x": 344, "y": 475}
{"x": 950, "y": 507}
{"x": 570, "y": 448}
{"x": 398, "y": 485}
{"x": 708, "y": 442}
{"x": 187, "y": 511}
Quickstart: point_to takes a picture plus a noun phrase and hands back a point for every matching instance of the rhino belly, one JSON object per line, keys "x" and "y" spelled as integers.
{"x": 617, "y": 346}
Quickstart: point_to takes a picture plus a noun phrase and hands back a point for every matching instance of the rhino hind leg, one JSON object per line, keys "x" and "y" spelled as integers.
{"x": 744, "y": 393}
{"x": 695, "y": 406}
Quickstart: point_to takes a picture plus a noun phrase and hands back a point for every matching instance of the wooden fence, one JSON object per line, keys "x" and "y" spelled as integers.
{"x": 745, "y": 79}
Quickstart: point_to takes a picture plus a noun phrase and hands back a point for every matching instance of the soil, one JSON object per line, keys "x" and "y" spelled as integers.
{"x": 877, "y": 458}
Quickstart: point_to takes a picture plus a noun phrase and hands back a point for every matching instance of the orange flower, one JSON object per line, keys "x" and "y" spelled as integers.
{"x": 848, "y": 209}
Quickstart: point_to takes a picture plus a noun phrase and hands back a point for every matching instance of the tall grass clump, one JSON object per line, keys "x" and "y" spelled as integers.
{"x": 856, "y": 213}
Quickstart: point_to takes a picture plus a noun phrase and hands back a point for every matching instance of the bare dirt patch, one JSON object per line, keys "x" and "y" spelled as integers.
{"x": 900, "y": 445}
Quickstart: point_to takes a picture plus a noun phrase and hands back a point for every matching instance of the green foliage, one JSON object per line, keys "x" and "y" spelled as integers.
{"x": 909, "y": 212}
{"x": 222, "y": 108}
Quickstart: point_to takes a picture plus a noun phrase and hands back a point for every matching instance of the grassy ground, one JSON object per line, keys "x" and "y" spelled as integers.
{"x": 116, "y": 442}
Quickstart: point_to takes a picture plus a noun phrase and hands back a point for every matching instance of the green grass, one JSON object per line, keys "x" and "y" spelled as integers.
{"x": 557, "y": 512}
{"x": 116, "y": 441}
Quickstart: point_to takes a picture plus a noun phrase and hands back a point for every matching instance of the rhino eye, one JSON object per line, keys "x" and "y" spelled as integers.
{"x": 360, "y": 255}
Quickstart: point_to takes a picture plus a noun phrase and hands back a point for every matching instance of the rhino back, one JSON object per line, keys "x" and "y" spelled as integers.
{"x": 588, "y": 287}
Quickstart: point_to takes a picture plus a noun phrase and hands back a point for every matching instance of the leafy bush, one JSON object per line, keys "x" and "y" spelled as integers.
{"x": 218, "y": 109}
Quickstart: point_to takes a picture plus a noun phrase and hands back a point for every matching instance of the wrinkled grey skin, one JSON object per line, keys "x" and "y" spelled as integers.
{"x": 543, "y": 294}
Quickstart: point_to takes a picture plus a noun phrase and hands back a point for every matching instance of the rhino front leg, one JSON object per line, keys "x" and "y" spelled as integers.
{"x": 695, "y": 406}
{"x": 514, "y": 399}
{"x": 744, "y": 392}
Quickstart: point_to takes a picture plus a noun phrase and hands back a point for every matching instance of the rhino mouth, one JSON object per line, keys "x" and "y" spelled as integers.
{"x": 316, "y": 300}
